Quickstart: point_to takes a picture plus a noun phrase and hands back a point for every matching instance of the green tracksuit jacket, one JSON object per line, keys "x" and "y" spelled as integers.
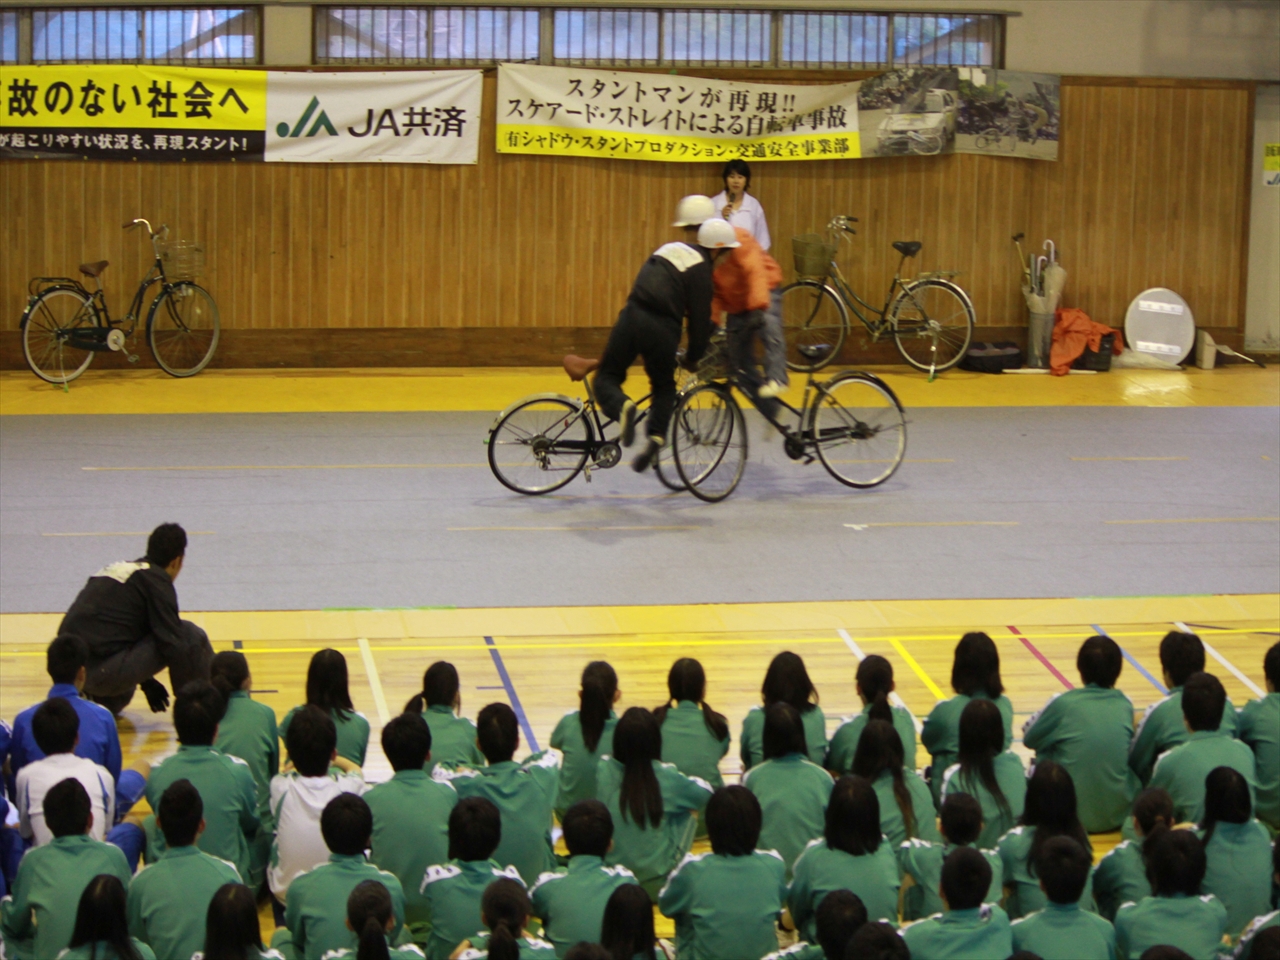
{"x": 1182, "y": 770}
{"x": 941, "y": 734}
{"x": 1120, "y": 877}
{"x": 1012, "y": 780}
{"x": 1065, "y": 932}
{"x": 892, "y": 823}
{"x": 248, "y": 731}
{"x": 530, "y": 947}
{"x": 982, "y": 933}
{"x": 316, "y": 906}
{"x": 1259, "y": 727}
{"x": 820, "y": 869}
{"x": 169, "y": 900}
{"x": 453, "y": 891}
{"x": 104, "y": 951}
{"x": 1162, "y": 728}
{"x": 793, "y": 792}
{"x": 453, "y": 739}
{"x": 570, "y": 903}
{"x": 1244, "y": 949}
{"x": 844, "y": 742}
{"x": 408, "y": 951}
{"x": 1193, "y": 924}
{"x": 353, "y": 733}
{"x": 690, "y": 745}
{"x": 578, "y": 768}
{"x": 1027, "y": 897}
{"x": 922, "y": 861}
{"x": 1238, "y": 859}
{"x": 725, "y": 906}
{"x": 799, "y": 951}
{"x": 751, "y": 743}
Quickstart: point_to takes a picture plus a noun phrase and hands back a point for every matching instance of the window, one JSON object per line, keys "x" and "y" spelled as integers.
{"x": 834, "y": 40}
{"x": 484, "y": 35}
{"x": 440, "y": 35}
{"x": 615, "y": 37}
{"x": 8, "y": 36}
{"x": 946, "y": 40}
{"x": 177, "y": 35}
{"x": 718, "y": 38}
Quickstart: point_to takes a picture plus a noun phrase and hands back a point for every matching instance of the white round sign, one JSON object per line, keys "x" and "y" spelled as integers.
{"x": 1159, "y": 323}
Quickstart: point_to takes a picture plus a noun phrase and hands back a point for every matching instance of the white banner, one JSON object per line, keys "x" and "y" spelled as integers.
{"x": 416, "y": 117}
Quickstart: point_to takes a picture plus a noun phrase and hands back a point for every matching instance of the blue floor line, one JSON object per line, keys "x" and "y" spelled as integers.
{"x": 1164, "y": 691}
{"x": 512, "y": 695}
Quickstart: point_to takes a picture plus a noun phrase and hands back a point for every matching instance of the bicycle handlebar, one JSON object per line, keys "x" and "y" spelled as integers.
{"x": 153, "y": 234}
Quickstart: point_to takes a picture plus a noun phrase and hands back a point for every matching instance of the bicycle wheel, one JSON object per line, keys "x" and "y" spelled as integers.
{"x": 814, "y": 323}
{"x": 46, "y": 330}
{"x": 664, "y": 467}
{"x": 540, "y": 445}
{"x": 709, "y": 442}
{"x": 932, "y": 324}
{"x": 183, "y": 328}
{"x": 859, "y": 429}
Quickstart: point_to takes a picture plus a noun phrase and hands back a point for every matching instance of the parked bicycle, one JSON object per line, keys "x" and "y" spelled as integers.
{"x": 930, "y": 318}
{"x": 65, "y": 323}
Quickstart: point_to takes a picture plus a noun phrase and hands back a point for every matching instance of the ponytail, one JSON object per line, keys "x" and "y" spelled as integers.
{"x": 228, "y": 671}
{"x": 687, "y": 681}
{"x": 880, "y": 709}
{"x": 880, "y": 749}
{"x": 875, "y": 678}
{"x": 981, "y": 741}
{"x": 439, "y": 688}
{"x": 637, "y": 744}
{"x": 599, "y": 685}
{"x": 368, "y": 913}
{"x": 373, "y": 941}
{"x": 505, "y": 909}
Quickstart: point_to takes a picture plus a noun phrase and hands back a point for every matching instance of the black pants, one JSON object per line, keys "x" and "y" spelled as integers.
{"x": 112, "y": 680}
{"x": 656, "y": 339}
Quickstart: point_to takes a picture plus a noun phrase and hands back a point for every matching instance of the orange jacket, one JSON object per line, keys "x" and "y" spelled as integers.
{"x": 1072, "y": 332}
{"x": 744, "y": 278}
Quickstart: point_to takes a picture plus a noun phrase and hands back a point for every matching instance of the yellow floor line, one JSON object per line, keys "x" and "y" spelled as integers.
{"x": 1089, "y": 459}
{"x": 124, "y": 533}
{"x": 567, "y": 529}
{"x": 937, "y": 523}
{"x": 1201, "y": 520}
{"x": 375, "y": 682}
{"x": 919, "y": 671}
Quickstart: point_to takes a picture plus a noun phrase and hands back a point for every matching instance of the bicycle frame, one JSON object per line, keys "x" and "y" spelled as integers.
{"x": 839, "y": 285}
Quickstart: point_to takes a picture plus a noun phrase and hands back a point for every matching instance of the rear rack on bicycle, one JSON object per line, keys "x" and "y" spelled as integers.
{"x": 37, "y": 285}
{"x": 183, "y": 259}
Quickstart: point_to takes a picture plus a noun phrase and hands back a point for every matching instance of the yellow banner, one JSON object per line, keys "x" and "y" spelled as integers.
{"x": 564, "y": 142}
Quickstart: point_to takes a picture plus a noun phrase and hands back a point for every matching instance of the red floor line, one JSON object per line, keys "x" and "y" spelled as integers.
{"x": 1042, "y": 658}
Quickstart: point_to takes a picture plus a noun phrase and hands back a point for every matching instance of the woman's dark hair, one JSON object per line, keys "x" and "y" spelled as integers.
{"x": 686, "y": 681}
{"x": 787, "y": 681}
{"x": 599, "y": 684}
{"x": 327, "y": 683}
{"x": 1051, "y": 809}
{"x": 734, "y": 819}
{"x": 1226, "y": 798}
{"x": 231, "y": 924}
{"x": 853, "y": 817}
{"x": 368, "y": 910}
{"x": 1100, "y": 661}
{"x": 783, "y": 731}
{"x": 981, "y": 741}
{"x": 1175, "y": 862}
{"x": 875, "y": 679}
{"x": 1153, "y": 808}
{"x": 626, "y": 930}
{"x": 736, "y": 165}
{"x": 228, "y": 671}
{"x": 637, "y": 743}
{"x": 976, "y": 667}
{"x": 880, "y": 749}
{"x": 505, "y": 909}
{"x": 1271, "y": 665}
{"x": 439, "y": 688}
{"x": 101, "y": 917}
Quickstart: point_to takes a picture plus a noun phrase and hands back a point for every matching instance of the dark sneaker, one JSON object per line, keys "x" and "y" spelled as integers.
{"x": 628, "y": 423}
{"x": 647, "y": 457}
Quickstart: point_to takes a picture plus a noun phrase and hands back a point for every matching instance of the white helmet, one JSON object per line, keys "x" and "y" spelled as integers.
{"x": 693, "y": 210}
{"x": 717, "y": 234}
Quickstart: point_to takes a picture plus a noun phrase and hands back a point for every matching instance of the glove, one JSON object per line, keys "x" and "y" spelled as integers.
{"x": 157, "y": 695}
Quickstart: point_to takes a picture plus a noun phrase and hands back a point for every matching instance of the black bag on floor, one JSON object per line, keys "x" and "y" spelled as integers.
{"x": 992, "y": 357}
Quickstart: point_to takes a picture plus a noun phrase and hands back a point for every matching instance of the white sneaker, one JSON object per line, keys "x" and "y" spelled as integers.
{"x": 772, "y": 389}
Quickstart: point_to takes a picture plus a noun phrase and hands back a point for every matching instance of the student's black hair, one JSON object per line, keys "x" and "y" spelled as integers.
{"x": 1266, "y": 944}
{"x": 1165, "y": 951}
{"x": 327, "y": 686}
{"x": 981, "y": 741}
{"x": 55, "y": 726}
{"x": 626, "y": 930}
{"x": 876, "y": 941}
{"x": 1063, "y": 867}
{"x": 1100, "y": 661}
{"x": 368, "y": 910}
{"x": 588, "y": 828}
{"x": 505, "y": 909}
{"x": 583, "y": 950}
{"x": 1203, "y": 699}
{"x": 439, "y": 688}
{"x": 406, "y": 741}
{"x": 67, "y": 808}
{"x": 346, "y": 824}
{"x": 311, "y": 739}
{"x": 197, "y": 711}
{"x": 595, "y": 701}
{"x": 65, "y": 657}
{"x": 976, "y": 667}
{"x": 687, "y": 681}
{"x": 101, "y": 917}
{"x": 181, "y": 810}
{"x": 783, "y": 731}
{"x": 736, "y": 165}
{"x": 840, "y": 914}
{"x": 637, "y": 743}
{"x": 787, "y": 681}
{"x": 228, "y": 671}
{"x": 231, "y": 924}
{"x": 1051, "y": 808}
{"x": 1175, "y": 862}
{"x": 734, "y": 820}
{"x": 875, "y": 678}
{"x": 1153, "y": 809}
{"x": 853, "y": 817}
{"x": 966, "y": 877}
{"x": 498, "y": 732}
{"x": 961, "y": 816}
{"x": 880, "y": 749}
{"x": 1271, "y": 665}
{"x": 475, "y": 829}
{"x": 1181, "y": 655}
{"x": 166, "y": 544}
{"x": 1226, "y": 799}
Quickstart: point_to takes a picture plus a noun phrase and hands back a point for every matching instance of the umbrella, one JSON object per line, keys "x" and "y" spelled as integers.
{"x": 1055, "y": 278}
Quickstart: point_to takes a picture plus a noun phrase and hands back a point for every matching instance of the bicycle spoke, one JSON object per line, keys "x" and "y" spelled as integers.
{"x": 932, "y": 325}
{"x": 51, "y": 320}
{"x": 183, "y": 329}
{"x": 545, "y": 443}
{"x": 860, "y": 432}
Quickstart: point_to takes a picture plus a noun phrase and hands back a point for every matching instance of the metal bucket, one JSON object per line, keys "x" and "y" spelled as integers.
{"x": 1039, "y": 340}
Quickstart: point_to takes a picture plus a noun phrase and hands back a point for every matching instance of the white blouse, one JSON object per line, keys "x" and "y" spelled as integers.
{"x": 749, "y": 216}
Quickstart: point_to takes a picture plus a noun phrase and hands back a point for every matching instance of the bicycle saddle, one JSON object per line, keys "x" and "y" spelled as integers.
{"x": 578, "y": 367}
{"x": 94, "y": 269}
{"x": 813, "y": 351}
{"x": 908, "y": 248}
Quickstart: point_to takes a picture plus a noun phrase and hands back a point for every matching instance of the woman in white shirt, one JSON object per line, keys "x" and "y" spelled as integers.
{"x": 737, "y": 206}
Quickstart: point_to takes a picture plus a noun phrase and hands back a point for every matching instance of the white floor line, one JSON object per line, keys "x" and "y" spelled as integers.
{"x": 1224, "y": 661}
{"x": 375, "y": 682}
{"x": 896, "y": 700}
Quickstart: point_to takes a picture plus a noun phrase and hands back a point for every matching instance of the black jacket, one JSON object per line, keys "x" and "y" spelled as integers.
{"x": 121, "y": 604}
{"x": 675, "y": 282}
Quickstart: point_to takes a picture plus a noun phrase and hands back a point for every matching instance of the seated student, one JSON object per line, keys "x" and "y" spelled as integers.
{"x": 651, "y": 803}
{"x": 975, "y": 673}
{"x": 1121, "y": 875}
{"x": 299, "y": 797}
{"x": 1050, "y": 812}
{"x": 694, "y": 737}
{"x": 453, "y": 738}
{"x": 328, "y": 689}
{"x": 840, "y": 915}
{"x": 582, "y": 950}
{"x": 874, "y": 682}
{"x": 571, "y": 903}
{"x": 317, "y": 898}
{"x": 232, "y": 929}
{"x": 922, "y": 860}
{"x": 585, "y": 735}
{"x": 791, "y": 788}
{"x": 727, "y": 903}
{"x": 1259, "y": 727}
{"x": 1237, "y": 849}
{"x": 877, "y": 941}
{"x": 506, "y": 910}
{"x": 626, "y": 930}
{"x": 969, "y": 927}
{"x": 1162, "y": 728}
{"x": 169, "y": 900}
{"x": 453, "y": 890}
{"x": 986, "y": 771}
{"x": 1061, "y": 930}
{"x": 786, "y": 681}
{"x": 1088, "y": 731}
{"x": 371, "y": 918}
{"x": 906, "y": 805}
{"x": 852, "y": 855}
{"x": 1183, "y": 769}
{"x": 38, "y": 918}
{"x": 1175, "y": 912}
{"x": 1261, "y": 938}
{"x": 101, "y": 931}
{"x": 524, "y": 792}
{"x": 225, "y": 783}
{"x": 55, "y": 726}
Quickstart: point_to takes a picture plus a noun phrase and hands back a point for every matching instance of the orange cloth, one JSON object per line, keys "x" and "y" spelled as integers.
{"x": 1072, "y": 332}
{"x": 744, "y": 278}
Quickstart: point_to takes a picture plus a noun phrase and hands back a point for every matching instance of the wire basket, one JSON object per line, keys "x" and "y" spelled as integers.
{"x": 714, "y": 364}
{"x": 813, "y": 255}
{"x": 183, "y": 259}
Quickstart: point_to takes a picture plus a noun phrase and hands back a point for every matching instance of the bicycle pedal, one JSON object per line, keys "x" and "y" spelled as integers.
{"x": 133, "y": 358}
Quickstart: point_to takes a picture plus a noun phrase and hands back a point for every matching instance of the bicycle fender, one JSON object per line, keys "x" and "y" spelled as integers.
{"x": 533, "y": 396}
{"x": 865, "y": 375}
